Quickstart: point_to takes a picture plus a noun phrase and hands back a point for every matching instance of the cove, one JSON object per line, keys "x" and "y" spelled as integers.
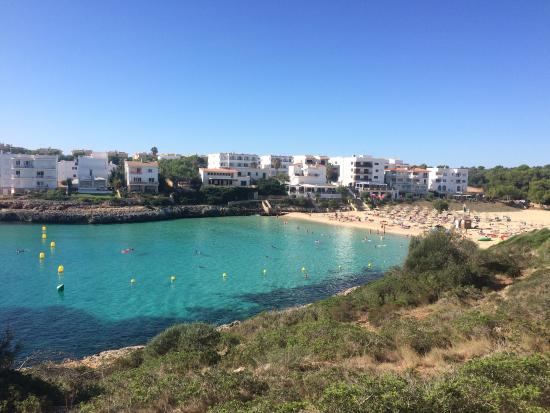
{"x": 269, "y": 264}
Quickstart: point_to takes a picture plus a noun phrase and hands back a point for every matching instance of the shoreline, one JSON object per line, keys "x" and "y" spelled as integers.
{"x": 386, "y": 221}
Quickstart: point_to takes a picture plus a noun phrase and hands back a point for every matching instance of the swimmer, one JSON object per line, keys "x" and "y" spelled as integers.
{"x": 19, "y": 251}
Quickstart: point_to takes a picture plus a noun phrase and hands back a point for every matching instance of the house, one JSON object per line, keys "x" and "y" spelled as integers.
{"x": 246, "y": 164}
{"x": 311, "y": 159}
{"x": 20, "y": 173}
{"x": 93, "y": 173}
{"x": 407, "y": 180}
{"x": 142, "y": 176}
{"x": 355, "y": 170}
{"x": 310, "y": 180}
{"x": 222, "y": 177}
{"x": 88, "y": 173}
{"x": 446, "y": 180}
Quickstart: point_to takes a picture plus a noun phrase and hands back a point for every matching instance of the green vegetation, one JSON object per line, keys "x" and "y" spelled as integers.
{"x": 441, "y": 205}
{"x": 270, "y": 186}
{"x": 522, "y": 182}
{"x": 184, "y": 170}
{"x": 455, "y": 329}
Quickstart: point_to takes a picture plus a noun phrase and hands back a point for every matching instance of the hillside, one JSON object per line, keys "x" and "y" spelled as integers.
{"x": 455, "y": 329}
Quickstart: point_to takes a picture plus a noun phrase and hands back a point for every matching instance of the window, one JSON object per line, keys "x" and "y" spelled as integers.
{"x": 18, "y": 163}
{"x": 151, "y": 180}
{"x": 18, "y": 173}
{"x": 39, "y": 183}
{"x": 138, "y": 171}
{"x": 150, "y": 171}
{"x": 136, "y": 179}
{"x": 40, "y": 174}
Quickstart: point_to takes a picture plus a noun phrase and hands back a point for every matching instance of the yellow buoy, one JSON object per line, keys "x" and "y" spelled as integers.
{"x": 303, "y": 269}
{"x": 224, "y": 275}
{"x": 264, "y": 271}
{"x": 60, "y": 269}
{"x": 44, "y": 228}
{"x": 133, "y": 281}
{"x": 173, "y": 278}
{"x": 370, "y": 264}
{"x": 52, "y": 244}
{"x": 41, "y": 256}
{"x": 44, "y": 236}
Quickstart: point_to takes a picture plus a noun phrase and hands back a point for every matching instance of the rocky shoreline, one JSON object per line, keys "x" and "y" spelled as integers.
{"x": 71, "y": 212}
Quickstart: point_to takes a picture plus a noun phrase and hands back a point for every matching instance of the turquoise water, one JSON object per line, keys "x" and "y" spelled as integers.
{"x": 101, "y": 309}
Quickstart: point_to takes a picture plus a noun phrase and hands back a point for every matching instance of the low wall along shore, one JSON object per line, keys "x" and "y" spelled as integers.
{"x": 60, "y": 212}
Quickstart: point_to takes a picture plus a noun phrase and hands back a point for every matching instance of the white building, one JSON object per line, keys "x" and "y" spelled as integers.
{"x": 20, "y": 173}
{"x": 88, "y": 174}
{"x": 311, "y": 159}
{"x": 407, "y": 180}
{"x": 222, "y": 177}
{"x": 168, "y": 156}
{"x": 246, "y": 164}
{"x": 448, "y": 180}
{"x": 276, "y": 162}
{"x": 93, "y": 172}
{"x": 310, "y": 180}
{"x": 142, "y": 176}
{"x": 355, "y": 170}
{"x": 66, "y": 170}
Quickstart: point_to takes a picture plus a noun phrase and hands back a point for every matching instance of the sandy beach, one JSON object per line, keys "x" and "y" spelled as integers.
{"x": 411, "y": 220}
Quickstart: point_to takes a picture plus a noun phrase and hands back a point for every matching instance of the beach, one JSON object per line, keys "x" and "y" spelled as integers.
{"x": 410, "y": 220}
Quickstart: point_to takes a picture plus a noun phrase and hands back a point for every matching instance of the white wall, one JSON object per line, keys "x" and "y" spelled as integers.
{"x": 349, "y": 173}
{"x": 448, "y": 180}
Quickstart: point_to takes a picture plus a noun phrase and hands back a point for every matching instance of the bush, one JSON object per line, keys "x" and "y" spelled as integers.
{"x": 441, "y": 205}
{"x": 200, "y": 340}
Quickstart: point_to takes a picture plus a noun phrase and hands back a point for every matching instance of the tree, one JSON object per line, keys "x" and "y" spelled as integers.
{"x": 154, "y": 151}
{"x": 539, "y": 191}
{"x": 116, "y": 179}
{"x": 270, "y": 186}
{"x": 184, "y": 169}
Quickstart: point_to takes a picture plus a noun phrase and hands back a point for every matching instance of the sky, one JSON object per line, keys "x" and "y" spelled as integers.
{"x": 459, "y": 83}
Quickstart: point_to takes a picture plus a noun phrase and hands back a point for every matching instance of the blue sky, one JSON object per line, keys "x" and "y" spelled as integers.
{"x": 462, "y": 83}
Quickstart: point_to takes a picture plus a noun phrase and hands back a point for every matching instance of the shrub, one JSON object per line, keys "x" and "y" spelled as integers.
{"x": 441, "y": 205}
{"x": 197, "y": 339}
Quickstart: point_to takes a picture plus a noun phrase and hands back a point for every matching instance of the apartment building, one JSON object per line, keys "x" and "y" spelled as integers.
{"x": 448, "y": 180}
{"x": 66, "y": 170}
{"x": 246, "y": 164}
{"x": 142, "y": 176}
{"x": 21, "y": 173}
{"x": 407, "y": 180}
{"x": 276, "y": 164}
{"x": 88, "y": 173}
{"x": 355, "y": 170}
{"x": 222, "y": 177}
{"x": 310, "y": 180}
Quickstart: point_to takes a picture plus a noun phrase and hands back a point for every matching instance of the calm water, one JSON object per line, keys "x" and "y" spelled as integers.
{"x": 101, "y": 309}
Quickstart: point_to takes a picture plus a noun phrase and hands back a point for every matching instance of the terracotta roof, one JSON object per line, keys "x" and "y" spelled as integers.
{"x": 137, "y": 164}
{"x": 218, "y": 170}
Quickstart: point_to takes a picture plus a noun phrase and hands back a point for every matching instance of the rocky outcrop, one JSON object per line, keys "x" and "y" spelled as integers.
{"x": 71, "y": 212}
